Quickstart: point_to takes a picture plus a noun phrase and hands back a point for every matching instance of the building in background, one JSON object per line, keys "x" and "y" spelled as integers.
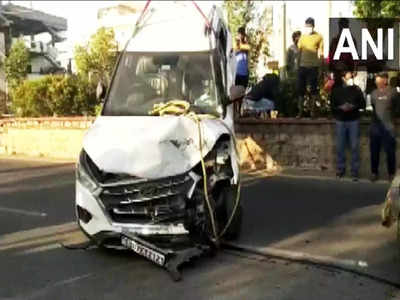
{"x": 289, "y": 16}
{"x": 40, "y": 31}
{"x": 121, "y": 18}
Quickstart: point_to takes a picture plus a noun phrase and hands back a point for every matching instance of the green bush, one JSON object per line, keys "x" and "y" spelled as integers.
{"x": 54, "y": 95}
{"x": 30, "y": 98}
{"x": 287, "y": 101}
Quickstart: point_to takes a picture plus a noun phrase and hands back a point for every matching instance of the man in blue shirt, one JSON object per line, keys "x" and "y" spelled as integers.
{"x": 242, "y": 52}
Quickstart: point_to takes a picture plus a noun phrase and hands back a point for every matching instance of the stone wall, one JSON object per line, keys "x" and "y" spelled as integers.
{"x": 270, "y": 145}
{"x": 300, "y": 144}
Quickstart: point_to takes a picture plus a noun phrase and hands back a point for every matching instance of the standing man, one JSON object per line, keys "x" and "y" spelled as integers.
{"x": 346, "y": 101}
{"x": 242, "y": 66}
{"x": 292, "y": 59}
{"x": 384, "y": 100}
{"x": 242, "y": 57}
{"x": 311, "y": 47}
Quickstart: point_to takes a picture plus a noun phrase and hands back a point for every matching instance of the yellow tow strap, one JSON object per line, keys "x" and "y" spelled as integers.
{"x": 181, "y": 107}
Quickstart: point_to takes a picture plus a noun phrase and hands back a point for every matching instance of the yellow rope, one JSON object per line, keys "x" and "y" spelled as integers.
{"x": 173, "y": 107}
{"x": 181, "y": 107}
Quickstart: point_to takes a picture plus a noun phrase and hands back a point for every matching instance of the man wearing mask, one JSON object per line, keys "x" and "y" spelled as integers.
{"x": 385, "y": 102}
{"x": 346, "y": 101}
{"x": 311, "y": 48}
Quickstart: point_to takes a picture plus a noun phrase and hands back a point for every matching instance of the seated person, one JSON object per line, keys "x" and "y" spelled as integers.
{"x": 263, "y": 95}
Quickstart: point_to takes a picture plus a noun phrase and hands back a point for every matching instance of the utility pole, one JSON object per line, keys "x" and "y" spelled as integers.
{"x": 329, "y": 8}
{"x": 284, "y": 32}
{"x": 284, "y": 35}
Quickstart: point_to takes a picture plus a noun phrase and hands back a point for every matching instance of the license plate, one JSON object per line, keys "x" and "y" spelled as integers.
{"x": 144, "y": 251}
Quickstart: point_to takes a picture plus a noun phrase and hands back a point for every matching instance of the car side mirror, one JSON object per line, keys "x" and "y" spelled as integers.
{"x": 100, "y": 91}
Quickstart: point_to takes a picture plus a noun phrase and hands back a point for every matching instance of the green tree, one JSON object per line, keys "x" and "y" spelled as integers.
{"x": 245, "y": 13}
{"x": 239, "y": 13}
{"x": 82, "y": 59}
{"x": 98, "y": 56}
{"x": 377, "y": 8}
{"x": 16, "y": 64}
{"x": 381, "y": 12}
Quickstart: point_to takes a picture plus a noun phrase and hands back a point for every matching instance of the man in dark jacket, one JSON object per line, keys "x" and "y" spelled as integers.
{"x": 267, "y": 88}
{"x": 385, "y": 102}
{"x": 346, "y": 101}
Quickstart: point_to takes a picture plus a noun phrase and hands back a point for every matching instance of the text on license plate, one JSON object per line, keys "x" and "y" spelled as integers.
{"x": 143, "y": 251}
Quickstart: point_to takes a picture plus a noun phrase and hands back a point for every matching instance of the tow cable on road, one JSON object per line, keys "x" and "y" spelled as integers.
{"x": 343, "y": 265}
{"x": 349, "y": 266}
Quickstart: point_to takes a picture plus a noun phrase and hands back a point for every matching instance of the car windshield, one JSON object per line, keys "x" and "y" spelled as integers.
{"x": 145, "y": 79}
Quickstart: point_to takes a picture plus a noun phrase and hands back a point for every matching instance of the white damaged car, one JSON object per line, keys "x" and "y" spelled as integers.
{"x": 140, "y": 180}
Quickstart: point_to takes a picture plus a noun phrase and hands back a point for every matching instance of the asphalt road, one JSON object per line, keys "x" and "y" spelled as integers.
{"x": 317, "y": 216}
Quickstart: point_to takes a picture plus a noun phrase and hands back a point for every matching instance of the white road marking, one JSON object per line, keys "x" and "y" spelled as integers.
{"x": 22, "y": 212}
{"x": 40, "y": 249}
{"x": 42, "y": 238}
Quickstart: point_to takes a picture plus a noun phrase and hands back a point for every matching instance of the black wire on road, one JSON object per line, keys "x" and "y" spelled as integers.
{"x": 307, "y": 260}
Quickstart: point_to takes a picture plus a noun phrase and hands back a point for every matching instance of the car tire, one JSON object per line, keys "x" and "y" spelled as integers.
{"x": 228, "y": 194}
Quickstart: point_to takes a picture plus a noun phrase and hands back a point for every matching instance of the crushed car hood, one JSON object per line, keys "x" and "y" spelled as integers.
{"x": 150, "y": 147}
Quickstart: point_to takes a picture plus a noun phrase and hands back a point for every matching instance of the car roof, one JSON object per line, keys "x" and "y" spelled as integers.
{"x": 178, "y": 27}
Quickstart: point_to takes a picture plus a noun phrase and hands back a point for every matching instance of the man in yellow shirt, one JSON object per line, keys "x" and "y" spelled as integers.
{"x": 311, "y": 48}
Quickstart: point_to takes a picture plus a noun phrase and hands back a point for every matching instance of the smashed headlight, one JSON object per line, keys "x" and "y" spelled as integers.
{"x": 83, "y": 173}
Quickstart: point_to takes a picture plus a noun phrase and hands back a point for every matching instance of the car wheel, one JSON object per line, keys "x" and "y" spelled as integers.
{"x": 228, "y": 194}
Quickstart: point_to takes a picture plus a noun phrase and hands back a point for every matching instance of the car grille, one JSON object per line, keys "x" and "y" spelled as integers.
{"x": 146, "y": 202}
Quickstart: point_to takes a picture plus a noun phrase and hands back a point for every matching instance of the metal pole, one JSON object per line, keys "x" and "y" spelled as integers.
{"x": 284, "y": 33}
{"x": 329, "y": 8}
